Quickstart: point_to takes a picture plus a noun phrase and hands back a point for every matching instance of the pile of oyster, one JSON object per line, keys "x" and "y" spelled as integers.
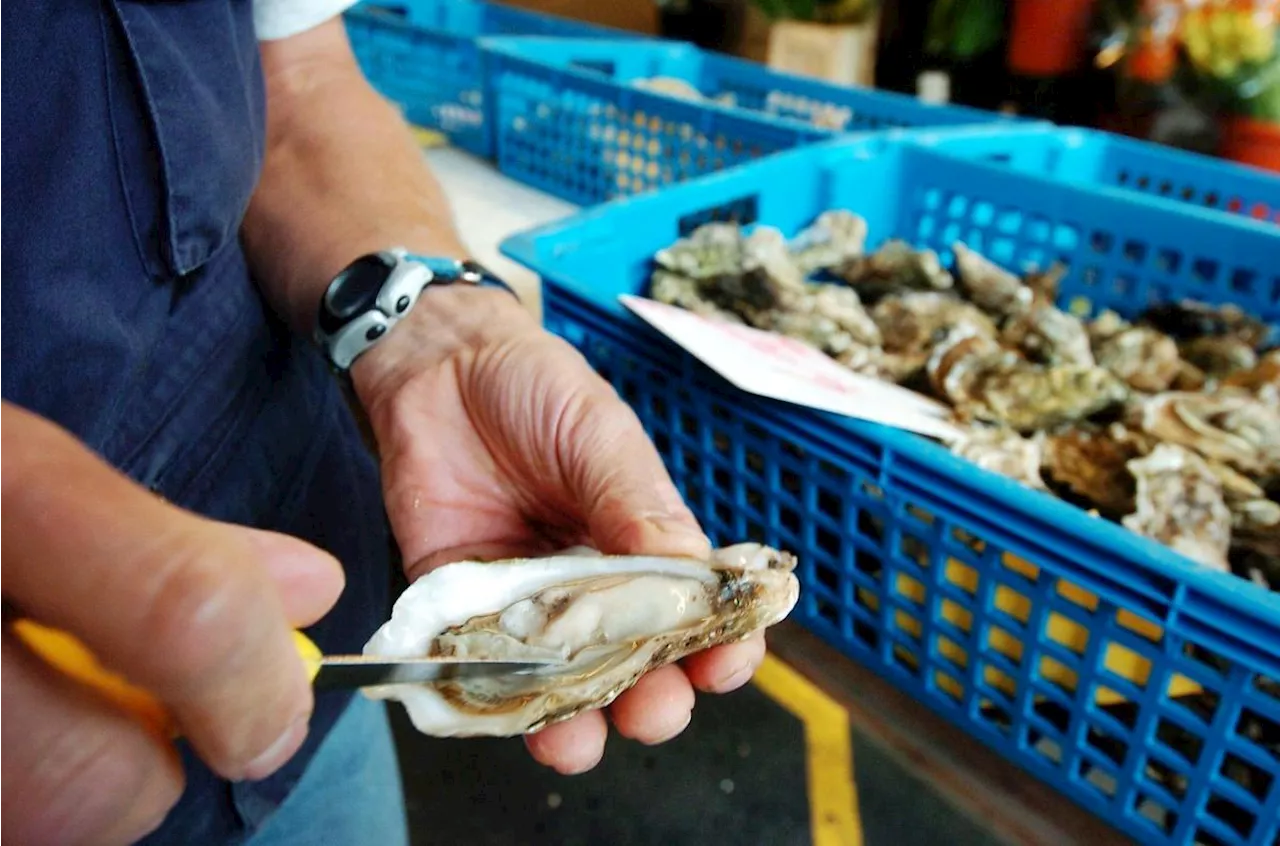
{"x": 1168, "y": 424}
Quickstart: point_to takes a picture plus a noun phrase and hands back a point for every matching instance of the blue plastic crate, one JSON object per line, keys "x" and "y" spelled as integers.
{"x": 570, "y": 120}
{"x": 422, "y": 55}
{"x": 1106, "y": 160}
{"x": 1077, "y": 649}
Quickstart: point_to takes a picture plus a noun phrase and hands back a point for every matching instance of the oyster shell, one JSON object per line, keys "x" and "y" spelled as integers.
{"x": 1145, "y": 359}
{"x": 894, "y": 268}
{"x": 1049, "y": 336}
{"x": 841, "y": 305}
{"x": 674, "y": 289}
{"x": 609, "y": 619}
{"x": 911, "y": 323}
{"x": 1189, "y": 319}
{"x": 1044, "y": 284}
{"x": 1219, "y": 355}
{"x": 992, "y": 288}
{"x": 987, "y": 382}
{"x": 836, "y": 238}
{"x": 1093, "y": 467}
{"x": 672, "y": 85}
{"x": 713, "y": 249}
{"x": 1180, "y": 504}
{"x": 1232, "y": 427}
{"x": 1106, "y": 325}
{"x": 1002, "y": 451}
{"x": 1262, "y": 380}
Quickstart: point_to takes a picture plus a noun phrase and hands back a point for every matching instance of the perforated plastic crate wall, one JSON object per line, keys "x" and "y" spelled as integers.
{"x": 569, "y": 120}
{"x": 422, "y": 55}
{"x": 1105, "y": 160}
{"x": 1142, "y": 686}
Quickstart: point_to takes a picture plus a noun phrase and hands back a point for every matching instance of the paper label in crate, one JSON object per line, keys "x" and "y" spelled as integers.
{"x": 782, "y": 368}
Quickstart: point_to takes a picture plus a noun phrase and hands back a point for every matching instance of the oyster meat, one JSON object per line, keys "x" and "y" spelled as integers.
{"x": 1180, "y": 504}
{"x": 607, "y": 619}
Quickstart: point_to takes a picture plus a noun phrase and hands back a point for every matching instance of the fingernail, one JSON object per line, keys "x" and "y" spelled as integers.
{"x": 679, "y": 537}
{"x": 736, "y": 679}
{"x": 570, "y": 771}
{"x": 279, "y": 751}
{"x": 688, "y": 718}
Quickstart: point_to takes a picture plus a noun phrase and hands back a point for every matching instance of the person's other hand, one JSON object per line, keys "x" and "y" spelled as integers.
{"x": 498, "y": 439}
{"x": 196, "y": 612}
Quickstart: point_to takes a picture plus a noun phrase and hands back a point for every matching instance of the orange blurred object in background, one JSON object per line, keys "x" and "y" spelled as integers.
{"x": 1047, "y": 37}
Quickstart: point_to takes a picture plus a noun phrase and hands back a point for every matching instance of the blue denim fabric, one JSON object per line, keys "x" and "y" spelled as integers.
{"x": 132, "y": 141}
{"x": 351, "y": 794}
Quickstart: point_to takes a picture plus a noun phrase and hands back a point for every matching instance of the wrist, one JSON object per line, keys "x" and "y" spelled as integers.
{"x": 445, "y": 324}
{"x": 392, "y": 308}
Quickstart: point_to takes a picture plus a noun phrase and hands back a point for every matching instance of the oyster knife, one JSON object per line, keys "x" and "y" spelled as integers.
{"x": 348, "y": 671}
{"x": 64, "y": 652}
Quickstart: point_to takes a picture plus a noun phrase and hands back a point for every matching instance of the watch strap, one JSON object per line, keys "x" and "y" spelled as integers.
{"x": 354, "y": 315}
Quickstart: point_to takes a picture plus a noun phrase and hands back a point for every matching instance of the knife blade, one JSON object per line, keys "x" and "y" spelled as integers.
{"x": 355, "y": 671}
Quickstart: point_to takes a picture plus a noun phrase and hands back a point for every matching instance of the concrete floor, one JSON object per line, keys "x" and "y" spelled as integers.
{"x": 736, "y": 776}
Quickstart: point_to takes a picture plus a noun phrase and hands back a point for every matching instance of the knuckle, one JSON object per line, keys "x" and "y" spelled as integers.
{"x": 88, "y": 780}
{"x": 200, "y": 615}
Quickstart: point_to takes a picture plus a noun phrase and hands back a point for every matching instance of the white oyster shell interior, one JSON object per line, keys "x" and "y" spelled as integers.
{"x": 609, "y": 619}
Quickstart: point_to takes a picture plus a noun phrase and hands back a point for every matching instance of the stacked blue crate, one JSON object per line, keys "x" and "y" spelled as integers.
{"x": 1141, "y": 685}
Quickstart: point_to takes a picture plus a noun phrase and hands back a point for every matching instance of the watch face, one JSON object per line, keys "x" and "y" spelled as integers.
{"x": 354, "y": 290}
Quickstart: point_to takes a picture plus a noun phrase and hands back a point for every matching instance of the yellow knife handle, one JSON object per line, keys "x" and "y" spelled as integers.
{"x": 69, "y": 655}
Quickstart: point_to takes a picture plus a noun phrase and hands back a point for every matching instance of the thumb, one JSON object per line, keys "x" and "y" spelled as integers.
{"x": 627, "y": 498}
{"x": 307, "y": 579}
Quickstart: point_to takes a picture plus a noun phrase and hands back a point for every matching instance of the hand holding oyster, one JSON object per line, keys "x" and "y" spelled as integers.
{"x": 607, "y": 619}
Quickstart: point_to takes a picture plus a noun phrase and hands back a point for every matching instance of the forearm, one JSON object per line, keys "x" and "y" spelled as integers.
{"x": 342, "y": 176}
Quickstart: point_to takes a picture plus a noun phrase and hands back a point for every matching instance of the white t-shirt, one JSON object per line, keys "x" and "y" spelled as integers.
{"x": 274, "y": 19}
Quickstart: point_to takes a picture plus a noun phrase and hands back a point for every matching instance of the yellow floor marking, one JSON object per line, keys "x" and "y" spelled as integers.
{"x": 833, "y": 798}
{"x": 428, "y": 138}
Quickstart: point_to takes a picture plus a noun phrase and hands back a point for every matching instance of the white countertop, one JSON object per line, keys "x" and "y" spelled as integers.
{"x": 488, "y": 207}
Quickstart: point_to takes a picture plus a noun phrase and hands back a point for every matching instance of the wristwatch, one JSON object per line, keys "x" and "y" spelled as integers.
{"x": 373, "y": 293}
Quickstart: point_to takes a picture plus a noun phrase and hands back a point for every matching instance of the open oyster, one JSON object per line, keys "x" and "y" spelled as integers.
{"x": 609, "y": 619}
